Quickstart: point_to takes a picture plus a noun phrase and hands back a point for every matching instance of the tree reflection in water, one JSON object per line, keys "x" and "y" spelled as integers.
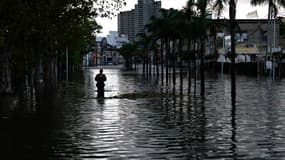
{"x": 73, "y": 123}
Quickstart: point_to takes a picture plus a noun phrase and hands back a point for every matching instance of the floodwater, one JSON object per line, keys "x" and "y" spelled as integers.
{"x": 73, "y": 124}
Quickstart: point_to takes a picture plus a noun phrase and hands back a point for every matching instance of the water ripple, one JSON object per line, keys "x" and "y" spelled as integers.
{"x": 79, "y": 126}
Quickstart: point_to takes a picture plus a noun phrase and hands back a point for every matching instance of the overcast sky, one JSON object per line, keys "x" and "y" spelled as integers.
{"x": 243, "y": 8}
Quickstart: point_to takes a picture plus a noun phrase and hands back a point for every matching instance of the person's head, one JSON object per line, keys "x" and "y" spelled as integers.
{"x": 101, "y": 70}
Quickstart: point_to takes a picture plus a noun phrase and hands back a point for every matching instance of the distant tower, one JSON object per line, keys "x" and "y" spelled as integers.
{"x": 126, "y": 24}
{"x": 132, "y": 22}
{"x": 144, "y": 10}
{"x": 139, "y": 17}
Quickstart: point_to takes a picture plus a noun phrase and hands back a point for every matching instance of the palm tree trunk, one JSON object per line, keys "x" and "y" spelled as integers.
{"x": 173, "y": 64}
{"x": 54, "y": 71}
{"x": 135, "y": 63}
{"x": 189, "y": 65}
{"x": 131, "y": 62}
{"x": 2, "y": 78}
{"x": 7, "y": 81}
{"x": 156, "y": 61}
{"x": 195, "y": 67}
{"x": 37, "y": 82}
{"x": 161, "y": 61}
{"x": 167, "y": 60}
{"x": 214, "y": 34}
{"x": 180, "y": 65}
{"x": 147, "y": 63}
{"x": 56, "y": 68}
{"x": 270, "y": 38}
{"x": 202, "y": 74}
{"x": 150, "y": 64}
{"x": 233, "y": 48}
{"x": 37, "y": 74}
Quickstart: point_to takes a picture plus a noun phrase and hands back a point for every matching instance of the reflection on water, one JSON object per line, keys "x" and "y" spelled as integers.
{"x": 74, "y": 124}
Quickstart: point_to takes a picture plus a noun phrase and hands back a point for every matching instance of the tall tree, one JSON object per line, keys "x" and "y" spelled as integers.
{"x": 160, "y": 29}
{"x": 273, "y": 6}
{"x": 34, "y": 35}
{"x": 219, "y": 5}
{"x": 128, "y": 51}
{"x": 202, "y": 20}
{"x": 154, "y": 35}
{"x": 232, "y": 12}
{"x": 143, "y": 43}
{"x": 189, "y": 32}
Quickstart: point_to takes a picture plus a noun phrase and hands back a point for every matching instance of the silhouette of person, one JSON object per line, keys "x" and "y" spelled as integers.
{"x": 100, "y": 79}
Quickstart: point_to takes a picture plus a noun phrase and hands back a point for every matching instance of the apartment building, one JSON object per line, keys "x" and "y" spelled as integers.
{"x": 126, "y": 24}
{"x": 132, "y": 22}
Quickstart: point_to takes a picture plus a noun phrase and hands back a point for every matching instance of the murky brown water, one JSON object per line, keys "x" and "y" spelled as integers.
{"x": 73, "y": 124}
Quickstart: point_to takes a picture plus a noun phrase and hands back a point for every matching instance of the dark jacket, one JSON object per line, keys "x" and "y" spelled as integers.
{"x": 100, "y": 78}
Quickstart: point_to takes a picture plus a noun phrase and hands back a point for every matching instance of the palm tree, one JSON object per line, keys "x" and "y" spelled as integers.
{"x": 167, "y": 16}
{"x": 196, "y": 12}
{"x": 182, "y": 33}
{"x": 272, "y": 6}
{"x": 153, "y": 32}
{"x": 160, "y": 30}
{"x": 156, "y": 33}
{"x": 189, "y": 32}
{"x": 219, "y": 5}
{"x": 144, "y": 42}
{"x": 202, "y": 7}
{"x": 232, "y": 5}
{"x": 176, "y": 36}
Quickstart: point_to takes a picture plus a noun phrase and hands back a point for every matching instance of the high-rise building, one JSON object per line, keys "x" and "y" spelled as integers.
{"x": 133, "y": 22}
{"x": 139, "y": 18}
{"x": 126, "y": 25}
{"x": 157, "y": 8}
{"x": 145, "y": 9}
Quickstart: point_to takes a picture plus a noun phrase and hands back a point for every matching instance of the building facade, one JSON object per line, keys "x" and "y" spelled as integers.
{"x": 106, "y": 50}
{"x": 253, "y": 38}
{"x": 126, "y": 24}
{"x": 132, "y": 22}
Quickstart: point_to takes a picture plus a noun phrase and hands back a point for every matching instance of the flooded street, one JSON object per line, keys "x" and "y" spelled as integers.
{"x": 74, "y": 124}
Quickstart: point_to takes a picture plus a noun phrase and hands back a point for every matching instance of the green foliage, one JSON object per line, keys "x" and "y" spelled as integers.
{"x": 76, "y": 57}
{"x": 44, "y": 28}
{"x": 128, "y": 50}
{"x": 108, "y": 8}
{"x": 34, "y": 35}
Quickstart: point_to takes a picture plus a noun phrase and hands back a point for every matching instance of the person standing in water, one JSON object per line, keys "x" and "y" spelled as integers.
{"x": 100, "y": 79}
